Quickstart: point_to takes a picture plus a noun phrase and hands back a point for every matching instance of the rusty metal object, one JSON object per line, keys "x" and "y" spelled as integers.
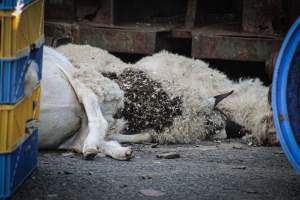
{"x": 105, "y": 14}
{"x": 270, "y": 65}
{"x": 60, "y": 10}
{"x": 120, "y": 40}
{"x": 56, "y": 30}
{"x": 86, "y": 10}
{"x": 142, "y": 27}
{"x": 191, "y": 13}
{"x": 258, "y": 15}
{"x": 218, "y": 43}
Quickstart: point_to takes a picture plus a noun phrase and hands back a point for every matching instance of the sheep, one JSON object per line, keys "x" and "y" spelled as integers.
{"x": 86, "y": 90}
{"x": 194, "y": 83}
{"x": 72, "y": 115}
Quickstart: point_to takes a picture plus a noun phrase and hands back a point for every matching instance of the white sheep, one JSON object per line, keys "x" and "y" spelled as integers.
{"x": 196, "y": 83}
{"x": 92, "y": 128}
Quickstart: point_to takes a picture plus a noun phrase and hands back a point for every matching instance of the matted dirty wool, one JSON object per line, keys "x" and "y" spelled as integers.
{"x": 190, "y": 80}
{"x": 146, "y": 104}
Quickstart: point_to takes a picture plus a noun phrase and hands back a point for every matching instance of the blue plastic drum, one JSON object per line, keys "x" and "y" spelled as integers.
{"x": 286, "y": 95}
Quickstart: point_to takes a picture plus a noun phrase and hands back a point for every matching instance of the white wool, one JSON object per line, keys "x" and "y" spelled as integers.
{"x": 249, "y": 107}
{"x": 189, "y": 78}
{"x": 87, "y": 57}
{"x": 196, "y": 82}
{"x": 31, "y": 79}
{"x": 61, "y": 113}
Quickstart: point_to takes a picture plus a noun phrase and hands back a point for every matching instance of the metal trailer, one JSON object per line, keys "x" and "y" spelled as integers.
{"x": 241, "y": 30}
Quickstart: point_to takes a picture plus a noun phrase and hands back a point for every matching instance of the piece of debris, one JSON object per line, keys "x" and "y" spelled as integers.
{"x": 168, "y": 155}
{"x": 146, "y": 177}
{"x": 279, "y": 152}
{"x": 152, "y": 193}
{"x": 65, "y": 172}
{"x": 238, "y": 146}
{"x": 68, "y": 154}
{"x": 123, "y": 186}
{"x": 250, "y": 191}
{"x": 240, "y": 167}
{"x": 154, "y": 145}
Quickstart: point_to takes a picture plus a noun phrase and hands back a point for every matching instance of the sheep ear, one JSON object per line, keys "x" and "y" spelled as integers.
{"x": 220, "y": 97}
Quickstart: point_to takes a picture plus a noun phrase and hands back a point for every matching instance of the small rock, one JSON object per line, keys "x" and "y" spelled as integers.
{"x": 154, "y": 145}
{"x": 168, "y": 155}
{"x": 90, "y": 173}
{"x": 240, "y": 167}
{"x": 152, "y": 193}
{"x": 67, "y": 173}
{"x": 279, "y": 152}
{"x": 250, "y": 191}
{"x": 146, "y": 177}
{"x": 68, "y": 154}
{"x": 124, "y": 186}
{"x": 238, "y": 146}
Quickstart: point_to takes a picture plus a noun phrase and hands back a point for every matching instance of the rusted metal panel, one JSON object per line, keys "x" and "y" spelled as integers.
{"x": 60, "y": 9}
{"x": 181, "y": 33}
{"x": 191, "y": 13}
{"x": 54, "y": 30}
{"x": 105, "y": 14}
{"x": 119, "y": 40}
{"x": 258, "y": 15}
{"x": 86, "y": 10}
{"x": 206, "y": 43}
{"x": 136, "y": 26}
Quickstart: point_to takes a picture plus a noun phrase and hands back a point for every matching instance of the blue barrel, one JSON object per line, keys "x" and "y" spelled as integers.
{"x": 286, "y": 95}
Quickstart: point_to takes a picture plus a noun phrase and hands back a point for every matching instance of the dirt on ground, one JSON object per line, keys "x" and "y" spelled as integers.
{"x": 210, "y": 170}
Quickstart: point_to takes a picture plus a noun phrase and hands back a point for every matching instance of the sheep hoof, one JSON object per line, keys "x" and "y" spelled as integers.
{"x": 90, "y": 154}
{"x": 129, "y": 154}
{"x": 125, "y": 156}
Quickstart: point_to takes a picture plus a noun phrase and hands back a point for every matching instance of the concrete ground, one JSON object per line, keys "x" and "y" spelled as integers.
{"x": 206, "y": 171}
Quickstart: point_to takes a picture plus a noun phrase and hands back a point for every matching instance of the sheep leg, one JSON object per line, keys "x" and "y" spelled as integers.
{"x": 115, "y": 150}
{"x": 96, "y": 123}
{"x": 133, "y": 139}
{"x": 98, "y": 126}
